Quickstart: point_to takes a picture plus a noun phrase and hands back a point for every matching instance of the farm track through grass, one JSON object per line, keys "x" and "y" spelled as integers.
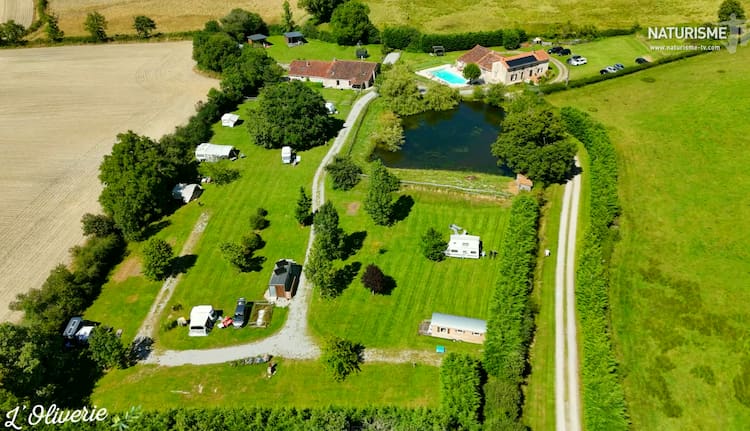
{"x": 680, "y": 270}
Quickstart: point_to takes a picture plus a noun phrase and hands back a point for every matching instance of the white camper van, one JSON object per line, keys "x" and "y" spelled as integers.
{"x": 202, "y": 318}
{"x": 286, "y": 155}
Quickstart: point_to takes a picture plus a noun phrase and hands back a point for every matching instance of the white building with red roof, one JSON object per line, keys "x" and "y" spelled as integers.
{"x": 336, "y": 73}
{"x": 524, "y": 67}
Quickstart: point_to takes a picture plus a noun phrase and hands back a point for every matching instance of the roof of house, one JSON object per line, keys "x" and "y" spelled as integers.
{"x": 293, "y": 34}
{"x": 355, "y": 71}
{"x": 524, "y": 59}
{"x": 257, "y": 37}
{"x": 483, "y": 57}
{"x": 214, "y": 150}
{"x": 458, "y": 322}
{"x": 282, "y": 270}
{"x": 522, "y": 180}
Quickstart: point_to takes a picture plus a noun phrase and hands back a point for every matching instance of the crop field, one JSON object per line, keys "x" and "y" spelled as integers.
{"x": 61, "y": 110}
{"x": 680, "y": 270}
{"x": 20, "y": 11}
{"x": 298, "y": 383}
{"x": 428, "y": 15}
{"x": 169, "y": 15}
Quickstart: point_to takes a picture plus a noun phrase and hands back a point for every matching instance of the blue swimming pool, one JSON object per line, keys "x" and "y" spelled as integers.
{"x": 449, "y": 76}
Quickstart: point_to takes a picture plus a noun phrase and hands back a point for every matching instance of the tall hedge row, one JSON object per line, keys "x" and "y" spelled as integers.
{"x": 461, "y": 391}
{"x": 604, "y": 405}
{"x": 265, "y": 419}
{"x": 411, "y": 39}
{"x": 510, "y": 326}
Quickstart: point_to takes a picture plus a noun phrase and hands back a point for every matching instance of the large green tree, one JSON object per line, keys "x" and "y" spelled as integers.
{"x": 440, "y": 97}
{"x": 321, "y": 10}
{"x": 144, "y": 26}
{"x": 341, "y": 357}
{"x": 472, "y": 72}
{"x": 350, "y": 23}
{"x": 287, "y": 20}
{"x": 533, "y": 142}
{"x": 290, "y": 113}
{"x": 240, "y": 24}
{"x": 26, "y": 362}
{"x": 379, "y": 200}
{"x": 137, "y": 182}
{"x": 53, "y": 29}
{"x": 329, "y": 237}
{"x": 399, "y": 90}
{"x": 106, "y": 348}
{"x": 729, "y": 8}
{"x": 252, "y": 70}
{"x": 11, "y": 33}
{"x": 433, "y": 245}
{"x": 213, "y": 51}
{"x": 157, "y": 259}
{"x": 96, "y": 25}
{"x": 344, "y": 172}
{"x": 460, "y": 387}
{"x": 303, "y": 210}
{"x": 389, "y": 133}
{"x": 319, "y": 270}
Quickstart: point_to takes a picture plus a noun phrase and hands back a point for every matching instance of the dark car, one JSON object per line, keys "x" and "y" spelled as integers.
{"x": 619, "y": 66}
{"x": 238, "y": 320}
{"x": 555, "y": 50}
{"x": 603, "y": 72}
{"x": 564, "y": 51}
{"x": 641, "y": 60}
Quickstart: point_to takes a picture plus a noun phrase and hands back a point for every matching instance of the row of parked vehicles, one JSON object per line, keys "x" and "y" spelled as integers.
{"x": 204, "y": 317}
{"x": 578, "y": 60}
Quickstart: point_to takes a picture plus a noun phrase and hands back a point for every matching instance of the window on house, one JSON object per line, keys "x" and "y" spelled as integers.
{"x": 454, "y": 251}
{"x": 442, "y": 330}
{"x": 459, "y": 331}
{"x": 476, "y": 333}
{"x": 473, "y": 252}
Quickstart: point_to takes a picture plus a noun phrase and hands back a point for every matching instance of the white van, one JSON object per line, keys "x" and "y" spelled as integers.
{"x": 202, "y": 318}
{"x": 286, "y": 155}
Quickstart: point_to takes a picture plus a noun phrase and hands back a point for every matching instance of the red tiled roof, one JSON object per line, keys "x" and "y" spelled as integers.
{"x": 355, "y": 71}
{"x": 522, "y": 180}
{"x": 483, "y": 57}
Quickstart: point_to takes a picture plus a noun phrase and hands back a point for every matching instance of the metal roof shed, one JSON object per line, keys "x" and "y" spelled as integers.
{"x": 459, "y": 322}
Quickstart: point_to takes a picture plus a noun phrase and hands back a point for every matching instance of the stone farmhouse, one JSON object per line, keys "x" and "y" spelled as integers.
{"x": 524, "y": 67}
{"x": 342, "y": 74}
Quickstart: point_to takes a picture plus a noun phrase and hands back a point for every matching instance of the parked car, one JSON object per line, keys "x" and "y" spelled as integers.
{"x": 611, "y": 69}
{"x": 577, "y": 60}
{"x": 603, "y": 72}
{"x": 238, "y": 320}
{"x": 564, "y": 51}
{"x": 555, "y": 50}
{"x": 619, "y": 66}
{"x": 641, "y": 60}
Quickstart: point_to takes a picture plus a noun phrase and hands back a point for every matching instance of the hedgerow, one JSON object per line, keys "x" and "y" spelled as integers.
{"x": 604, "y": 405}
{"x": 510, "y": 326}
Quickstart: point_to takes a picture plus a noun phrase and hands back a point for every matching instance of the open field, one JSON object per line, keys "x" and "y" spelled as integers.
{"x": 680, "y": 270}
{"x": 169, "y": 15}
{"x": 428, "y": 15}
{"x": 317, "y": 50}
{"x": 62, "y": 108}
{"x": 20, "y": 11}
{"x": 297, "y": 383}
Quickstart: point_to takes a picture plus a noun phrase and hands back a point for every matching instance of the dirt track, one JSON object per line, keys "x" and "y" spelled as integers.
{"x": 61, "y": 109}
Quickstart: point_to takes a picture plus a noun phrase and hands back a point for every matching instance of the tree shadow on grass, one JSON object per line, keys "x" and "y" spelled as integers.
{"x": 345, "y": 276}
{"x": 154, "y": 228}
{"x": 389, "y": 283}
{"x": 401, "y": 208}
{"x": 181, "y": 264}
{"x": 254, "y": 264}
{"x": 352, "y": 244}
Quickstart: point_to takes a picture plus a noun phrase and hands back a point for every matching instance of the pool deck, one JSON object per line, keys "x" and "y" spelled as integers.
{"x": 427, "y": 73}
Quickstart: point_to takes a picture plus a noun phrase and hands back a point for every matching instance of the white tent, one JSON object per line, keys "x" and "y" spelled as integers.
{"x": 186, "y": 192}
{"x": 286, "y": 155}
{"x": 211, "y": 152}
{"x": 331, "y": 108}
{"x": 229, "y": 120}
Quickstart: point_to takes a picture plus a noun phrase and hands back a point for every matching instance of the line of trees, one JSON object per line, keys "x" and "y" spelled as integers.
{"x": 461, "y": 379}
{"x": 510, "y": 326}
{"x": 604, "y": 405}
{"x": 411, "y": 39}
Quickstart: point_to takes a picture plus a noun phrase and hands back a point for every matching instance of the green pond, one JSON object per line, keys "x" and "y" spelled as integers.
{"x": 456, "y": 140}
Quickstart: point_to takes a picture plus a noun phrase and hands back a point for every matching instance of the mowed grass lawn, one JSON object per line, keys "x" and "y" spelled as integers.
{"x": 681, "y": 269}
{"x": 317, "y": 50}
{"x": 453, "y": 286}
{"x": 300, "y": 384}
{"x": 266, "y": 183}
{"x": 608, "y": 51}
